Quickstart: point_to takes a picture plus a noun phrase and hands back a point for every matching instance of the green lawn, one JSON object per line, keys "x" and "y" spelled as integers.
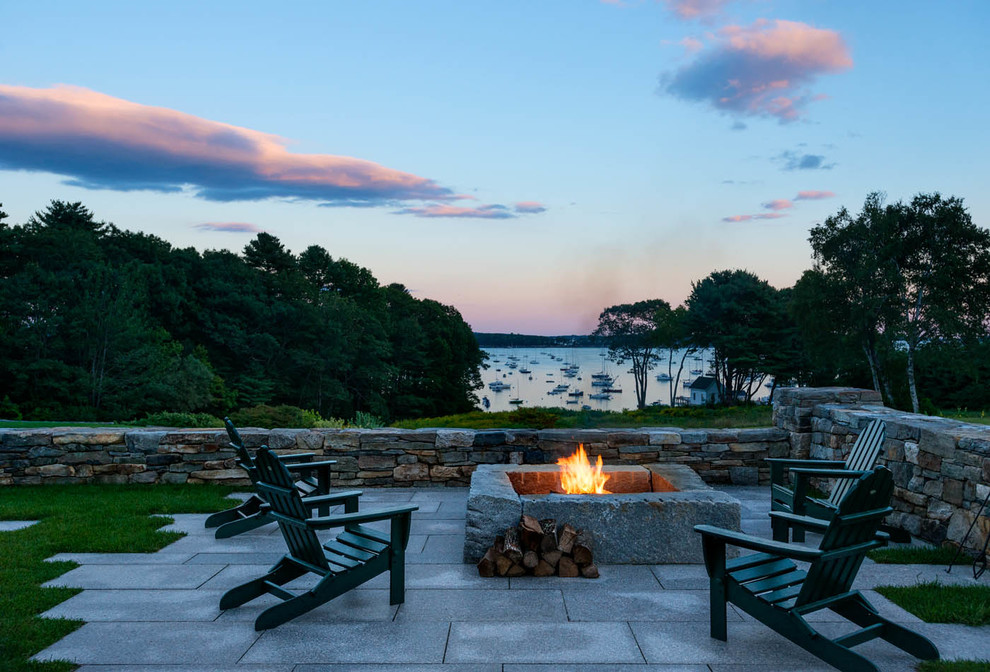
{"x": 543, "y": 418}
{"x": 31, "y": 424}
{"x": 75, "y": 518}
{"x": 917, "y": 555}
{"x": 978, "y": 417}
{"x": 935, "y": 602}
{"x": 954, "y": 666}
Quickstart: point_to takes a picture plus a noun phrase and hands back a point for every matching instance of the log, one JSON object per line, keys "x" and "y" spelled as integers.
{"x": 552, "y": 558}
{"x": 517, "y": 570}
{"x": 513, "y": 550}
{"x": 530, "y": 559}
{"x": 582, "y": 548}
{"x": 565, "y": 539}
{"x": 502, "y": 564}
{"x": 590, "y": 571}
{"x": 549, "y": 542}
{"x": 530, "y": 533}
{"x": 567, "y": 568}
{"x": 486, "y": 566}
{"x": 544, "y": 569}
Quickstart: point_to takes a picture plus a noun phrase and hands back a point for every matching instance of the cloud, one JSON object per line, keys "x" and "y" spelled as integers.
{"x": 746, "y": 218}
{"x": 101, "y": 142}
{"x": 696, "y": 9}
{"x": 778, "y": 204}
{"x": 530, "y": 207}
{"x": 229, "y": 227}
{"x": 795, "y": 161}
{"x": 737, "y": 126}
{"x": 494, "y": 211}
{"x": 813, "y": 195}
{"x": 761, "y": 70}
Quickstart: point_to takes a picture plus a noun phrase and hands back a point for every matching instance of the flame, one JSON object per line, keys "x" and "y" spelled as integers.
{"x": 578, "y": 477}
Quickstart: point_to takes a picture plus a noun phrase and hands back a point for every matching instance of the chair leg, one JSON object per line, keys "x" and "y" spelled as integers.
{"x": 233, "y": 528}
{"x": 249, "y": 507}
{"x": 281, "y": 613}
{"x": 863, "y": 614}
{"x": 397, "y": 577}
{"x": 717, "y": 606}
{"x": 280, "y": 574}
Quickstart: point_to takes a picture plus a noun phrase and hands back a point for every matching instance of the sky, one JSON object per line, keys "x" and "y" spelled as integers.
{"x": 530, "y": 163}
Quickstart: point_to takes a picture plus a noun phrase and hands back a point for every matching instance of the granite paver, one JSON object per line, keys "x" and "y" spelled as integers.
{"x": 160, "y": 612}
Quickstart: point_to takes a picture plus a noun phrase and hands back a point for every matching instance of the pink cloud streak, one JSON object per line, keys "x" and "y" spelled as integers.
{"x": 696, "y": 9}
{"x": 445, "y": 210}
{"x": 747, "y": 218}
{"x": 778, "y": 204}
{"x": 813, "y": 195}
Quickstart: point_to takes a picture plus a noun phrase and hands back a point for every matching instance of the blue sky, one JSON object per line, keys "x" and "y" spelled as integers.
{"x": 572, "y": 154}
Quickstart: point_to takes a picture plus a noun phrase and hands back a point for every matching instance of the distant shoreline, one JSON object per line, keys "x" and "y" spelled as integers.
{"x": 496, "y": 340}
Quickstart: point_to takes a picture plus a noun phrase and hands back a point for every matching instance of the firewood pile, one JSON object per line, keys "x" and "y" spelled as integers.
{"x": 539, "y": 548}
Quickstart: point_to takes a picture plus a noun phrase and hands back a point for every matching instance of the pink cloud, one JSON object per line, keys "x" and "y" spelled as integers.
{"x": 778, "y": 204}
{"x": 746, "y": 218}
{"x": 103, "y": 142}
{"x": 493, "y": 211}
{"x": 813, "y": 195}
{"x": 530, "y": 207}
{"x": 696, "y": 9}
{"x": 229, "y": 227}
{"x": 761, "y": 70}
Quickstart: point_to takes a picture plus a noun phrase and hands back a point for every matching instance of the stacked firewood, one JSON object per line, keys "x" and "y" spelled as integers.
{"x": 537, "y": 547}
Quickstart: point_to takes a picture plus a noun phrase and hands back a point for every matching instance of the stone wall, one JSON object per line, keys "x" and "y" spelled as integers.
{"x": 941, "y": 467}
{"x": 381, "y": 457}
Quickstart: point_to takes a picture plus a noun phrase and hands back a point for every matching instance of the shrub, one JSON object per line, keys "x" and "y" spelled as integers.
{"x": 537, "y": 418}
{"x": 331, "y": 423}
{"x": 9, "y": 410}
{"x": 270, "y": 417}
{"x": 364, "y": 420}
{"x": 170, "y": 419}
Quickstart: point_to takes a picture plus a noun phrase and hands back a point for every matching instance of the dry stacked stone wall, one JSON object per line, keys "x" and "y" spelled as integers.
{"x": 371, "y": 457}
{"x": 941, "y": 467}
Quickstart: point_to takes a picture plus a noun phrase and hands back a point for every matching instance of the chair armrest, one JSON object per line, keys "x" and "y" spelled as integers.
{"x": 295, "y": 456}
{"x": 827, "y": 473}
{"x": 316, "y": 500}
{"x": 758, "y": 543}
{"x": 791, "y": 463}
{"x": 310, "y": 466}
{"x": 794, "y": 520}
{"x": 778, "y": 464}
{"x": 325, "y": 522}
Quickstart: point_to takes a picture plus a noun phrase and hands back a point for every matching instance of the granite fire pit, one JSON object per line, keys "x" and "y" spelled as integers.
{"x": 649, "y": 518}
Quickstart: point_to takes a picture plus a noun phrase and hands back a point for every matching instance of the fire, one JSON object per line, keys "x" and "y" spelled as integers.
{"x": 578, "y": 477}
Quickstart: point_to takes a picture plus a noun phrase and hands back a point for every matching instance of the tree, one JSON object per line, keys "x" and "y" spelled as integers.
{"x": 630, "y": 330}
{"x": 944, "y": 264}
{"x": 858, "y": 258}
{"x": 734, "y": 313}
{"x": 672, "y": 334}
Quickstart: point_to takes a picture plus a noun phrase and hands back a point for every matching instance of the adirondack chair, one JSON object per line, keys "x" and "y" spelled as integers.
{"x": 357, "y": 554}
{"x": 795, "y": 499}
{"x": 313, "y": 480}
{"x": 768, "y": 585}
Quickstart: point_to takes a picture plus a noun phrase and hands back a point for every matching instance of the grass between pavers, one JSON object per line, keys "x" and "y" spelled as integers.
{"x": 76, "y": 519}
{"x": 954, "y": 666}
{"x": 917, "y": 555}
{"x": 559, "y": 418}
{"x": 935, "y": 602}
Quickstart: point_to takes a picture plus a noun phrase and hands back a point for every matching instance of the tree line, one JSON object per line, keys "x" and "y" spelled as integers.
{"x": 898, "y": 300}
{"x": 98, "y": 323}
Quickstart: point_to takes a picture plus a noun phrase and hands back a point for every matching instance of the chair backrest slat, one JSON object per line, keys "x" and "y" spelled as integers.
{"x": 862, "y": 457}
{"x": 244, "y": 458}
{"x": 276, "y": 486}
{"x": 855, "y": 524}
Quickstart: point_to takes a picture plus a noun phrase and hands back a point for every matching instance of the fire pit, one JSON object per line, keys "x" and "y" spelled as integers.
{"x": 645, "y": 514}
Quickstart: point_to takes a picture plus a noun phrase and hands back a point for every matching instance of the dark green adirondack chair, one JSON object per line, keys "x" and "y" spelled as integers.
{"x": 771, "y": 588}
{"x": 312, "y": 480}
{"x": 795, "y": 499}
{"x": 358, "y": 554}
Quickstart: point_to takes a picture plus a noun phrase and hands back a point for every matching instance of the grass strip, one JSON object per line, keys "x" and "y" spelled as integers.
{"x": 917, "y": 555}
{"x": 954, "y": 666}
{"x": 76, "y": 519}
{"x": 559, "y": 418}
{"x": 935, "y": 602}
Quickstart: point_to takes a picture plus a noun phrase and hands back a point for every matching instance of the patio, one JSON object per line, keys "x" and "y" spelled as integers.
{"x": 159, "y": 611}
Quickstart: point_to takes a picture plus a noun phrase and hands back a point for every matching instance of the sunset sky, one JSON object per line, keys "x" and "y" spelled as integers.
{"x": 528, "y": 162}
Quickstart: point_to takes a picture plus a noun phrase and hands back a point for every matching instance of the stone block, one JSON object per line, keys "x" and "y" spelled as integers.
{"x": 14, "y": 440}
{"x": 744, "y": 475}
{"x": 376, "y": 462}
{"x": 664, "y": 438}
{"x": 952, "y": 491}
{"x": 99, "y": 437}
{"x": 407, "y": 459}
{"x": 450, "y": 438}
{"x": 695, "y": 436}
{"x": 444, "y": 473}
{"x": 215, "y": 475}
{"x": 521, "y": 437}
{"x": 752, "y": 447}
{"x": 411, "y": 472}
{"x": 342, "y": 440}
{"x": 144, "y": 477}
{"x": 143, "y": 441}
{"x": 310, "y": 441}
{"x": 485, "y": 439}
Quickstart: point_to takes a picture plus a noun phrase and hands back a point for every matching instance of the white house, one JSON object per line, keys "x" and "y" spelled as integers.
{"x": 704, "y": 390}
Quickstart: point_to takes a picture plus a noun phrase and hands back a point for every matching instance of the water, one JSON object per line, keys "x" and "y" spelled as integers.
{"x": 534, "y": 387}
